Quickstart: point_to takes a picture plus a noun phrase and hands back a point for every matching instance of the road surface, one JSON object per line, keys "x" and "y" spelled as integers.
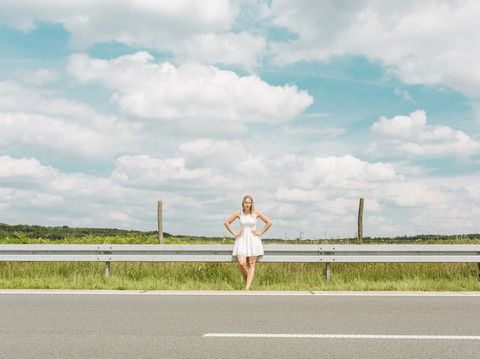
{"x": 94, "y": 324}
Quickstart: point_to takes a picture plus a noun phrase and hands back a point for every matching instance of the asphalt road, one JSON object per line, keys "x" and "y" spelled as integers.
{"x": 189, "y": 325}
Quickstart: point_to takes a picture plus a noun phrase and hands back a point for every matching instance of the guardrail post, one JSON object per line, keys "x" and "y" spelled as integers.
{"x": 107, "y": 269}
{"x": 328, "y": 272}
{"x": 478, "y": 271}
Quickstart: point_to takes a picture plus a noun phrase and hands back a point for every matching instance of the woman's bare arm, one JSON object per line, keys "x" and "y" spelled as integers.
{"x": 264, "y": 218}
{"x": 229, "y": 221}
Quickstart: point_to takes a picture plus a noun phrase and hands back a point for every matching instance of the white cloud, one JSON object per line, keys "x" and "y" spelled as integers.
{"x": 411, "y": 135}
{"x": 286, "y": 210}
{"x": 383, "y": 226}
{"x": 341, "y": 206}
{"x": 34, "y": 193}
{"x": 457, "y": 213}
{"x": 38, "y": 77}
{"x": 186, "y": 28}
{"x": 198, "y": 190}
{"x": 32, "y": 190}
{"x": 59, "y": 138}
{"x": 221, "y": 154}
{"x": 111, "y": 19}
{"x": 191, "y": 91}
{"x": 225, "y": 48}
{"x": 25, "y": 170}
{"x": 15, "y": 96}
{"x": 406, "y": 96}
{"x": 119, "y": 216}
{"x": 341, "y": 172}
{"x": 319, "y": 26}
{"x": 422, "y": 42}
{"x": 411, "y": 194}
{"x": 403, "y": 127}
{"x": 26, "y": 201}
{"x": 208, "y": 147}
{"x": 224, "y": 171}
{"x": 312, "y": 131}
{"x": 146, "y": 172}
{"x": 204, "y": 166}
{"x": 224, "y": 165}
{"x": 164, "y": 144}
{"x": 35, "y": 120}
{"x": 298, "y": 195}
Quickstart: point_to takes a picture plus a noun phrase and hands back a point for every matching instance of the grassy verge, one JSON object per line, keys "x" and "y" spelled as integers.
{"x": 226, "y": 276}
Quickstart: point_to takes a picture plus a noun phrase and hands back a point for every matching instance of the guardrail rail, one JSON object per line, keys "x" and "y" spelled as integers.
{"x": 426, "y": 253}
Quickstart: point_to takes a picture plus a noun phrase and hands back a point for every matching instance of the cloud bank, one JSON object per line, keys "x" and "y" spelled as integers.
{"x": 421, "y": 42}
{"x": 192, "y": 91}
{"x": 199, "y": 103}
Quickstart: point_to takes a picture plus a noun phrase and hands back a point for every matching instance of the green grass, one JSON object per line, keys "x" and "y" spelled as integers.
{"x": 226, "y": 276}
{"x": 20, "y": 238}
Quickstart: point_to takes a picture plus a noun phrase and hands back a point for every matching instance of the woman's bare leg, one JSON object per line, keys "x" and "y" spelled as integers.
{"x": 242, "y": 262}
{"x": 250, "y": 271}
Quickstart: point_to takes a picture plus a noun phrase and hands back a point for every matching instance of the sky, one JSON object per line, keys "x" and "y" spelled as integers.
{"x": 107, "y": 106}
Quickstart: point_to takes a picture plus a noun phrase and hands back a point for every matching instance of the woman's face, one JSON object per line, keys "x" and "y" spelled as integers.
{"x": 247, "y": 204}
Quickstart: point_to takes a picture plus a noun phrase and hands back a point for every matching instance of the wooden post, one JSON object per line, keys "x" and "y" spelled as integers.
{"x": 160, "y": 223}
{"x": 360, "y": 221}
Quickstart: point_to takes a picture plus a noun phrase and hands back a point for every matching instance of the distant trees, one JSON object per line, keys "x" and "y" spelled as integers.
{"x": 62, "y": 232}
{"x": 25, "y": 231}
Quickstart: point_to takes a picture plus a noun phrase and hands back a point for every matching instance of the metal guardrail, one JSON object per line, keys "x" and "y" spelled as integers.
{"x": 427, "y": 253}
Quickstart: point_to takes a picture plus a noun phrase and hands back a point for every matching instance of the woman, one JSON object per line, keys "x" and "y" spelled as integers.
{"x": 248, "y": 244}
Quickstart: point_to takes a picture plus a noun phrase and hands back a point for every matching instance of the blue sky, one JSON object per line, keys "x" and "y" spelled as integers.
{"x": 107, "y": 107}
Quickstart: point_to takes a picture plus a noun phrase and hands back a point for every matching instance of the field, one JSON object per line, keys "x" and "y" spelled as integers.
{"x": 225, "y": 276}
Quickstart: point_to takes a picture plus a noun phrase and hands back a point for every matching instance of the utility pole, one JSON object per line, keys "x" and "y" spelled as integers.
{"x": 160, "y": 222}
{"x": 360, "y": 221}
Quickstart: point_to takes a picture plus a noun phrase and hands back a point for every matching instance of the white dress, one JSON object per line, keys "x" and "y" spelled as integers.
{"x": 248, "y": 244}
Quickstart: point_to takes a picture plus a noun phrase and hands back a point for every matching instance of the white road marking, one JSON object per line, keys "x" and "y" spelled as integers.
{"x": 152, "y": 292}
{"x": 342, "y": 336}
{"x": 398, "y": 294}
{"x": 241, "y": 293}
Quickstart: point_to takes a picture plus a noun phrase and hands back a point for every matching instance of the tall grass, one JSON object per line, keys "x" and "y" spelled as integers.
{"x": 226, "y": 276}
{"x": 20, "y": 238}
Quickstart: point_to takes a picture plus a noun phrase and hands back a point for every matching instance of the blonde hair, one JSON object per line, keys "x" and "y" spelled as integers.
{"x": 252, "y": 209}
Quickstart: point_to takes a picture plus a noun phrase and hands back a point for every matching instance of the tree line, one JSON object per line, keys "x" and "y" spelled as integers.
{"x": 65, "y": 232}
{"x": 62, "y": 232}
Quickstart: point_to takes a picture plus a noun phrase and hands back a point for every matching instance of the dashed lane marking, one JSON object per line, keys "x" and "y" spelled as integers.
{"x": 342, "y": 336}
